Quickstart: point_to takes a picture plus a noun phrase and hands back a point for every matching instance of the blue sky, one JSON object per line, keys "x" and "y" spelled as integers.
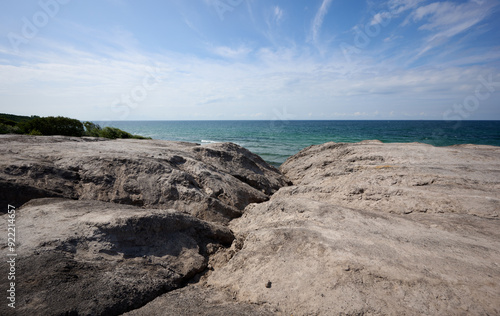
{"x": 250, "y": 59}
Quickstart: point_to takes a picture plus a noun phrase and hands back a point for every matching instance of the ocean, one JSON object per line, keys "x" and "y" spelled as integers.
{"x": 275, "y": 141}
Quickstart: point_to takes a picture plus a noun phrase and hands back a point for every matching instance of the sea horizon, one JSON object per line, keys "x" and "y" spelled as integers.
{"x": 276, "y": 140}
{"x": 293, "y": 120}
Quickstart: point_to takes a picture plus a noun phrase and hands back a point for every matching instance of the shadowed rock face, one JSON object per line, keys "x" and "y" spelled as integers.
{"x": 97, "y": 258}
{"x": 200, "y": 300}
{"x": 213, "y": 182}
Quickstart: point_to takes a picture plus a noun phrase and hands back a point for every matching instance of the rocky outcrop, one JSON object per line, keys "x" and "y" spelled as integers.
{"x": 98, "y": 258}
{"x": 362, "y": 229}
{"x": 374, "y": 229}
{"x": 399, "y": 178}
{"x": 214, "y": 182}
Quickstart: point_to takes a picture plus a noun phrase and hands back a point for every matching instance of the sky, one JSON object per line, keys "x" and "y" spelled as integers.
{"x": 251, "y": 59}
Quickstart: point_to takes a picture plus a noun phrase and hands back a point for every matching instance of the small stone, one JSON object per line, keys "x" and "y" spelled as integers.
{"x": 269, "y": 284}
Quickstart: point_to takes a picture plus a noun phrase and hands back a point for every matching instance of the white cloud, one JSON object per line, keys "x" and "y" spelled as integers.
{"x": 396, "y": 8}
{"x": 318, "y": 19}
{"x": 380, "y": 17}
{"x": 273, "y": 18}
{"x": 392, "y": 38}
{"x": 278, "y": 14}
{"x": 444, "y": 20}
{"x": 231, "y": 53}
{"x": 399, "y": 6}
{"x": 449, "y": 19}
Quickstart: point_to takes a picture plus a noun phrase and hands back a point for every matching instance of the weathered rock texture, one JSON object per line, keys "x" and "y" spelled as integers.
{"x": 213, "y": 182}
{"x": 98, "y": 258}
{"x": 363, "y": 229}
{"x": 399, "y": 178}
{"x": 374, "y": 229}
{"x": 80, "y": 254}
{"x": 200, "y": 300}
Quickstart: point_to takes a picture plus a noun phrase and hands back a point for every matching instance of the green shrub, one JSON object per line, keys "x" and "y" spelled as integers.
{"x": 9, "y": 129}
{"x": 53, "y": 126}
{"x": 59, "y": 125}
{"x": 15, "y": 118}
{"x": 92, "y": 129}
{"x": 140, "y": 137}
{"x": 113, "y": 133}
{"x": 7, "y": 122}
{"x": 35, "y": 132}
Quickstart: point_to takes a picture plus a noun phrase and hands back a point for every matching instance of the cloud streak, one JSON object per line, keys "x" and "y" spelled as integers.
{"x": 448, "y": 19}
{"x": 231, "y": 53}
{"x": 444, "y": 20}
{"x": 278, "y": 14}
{"x": 318, "y": 20}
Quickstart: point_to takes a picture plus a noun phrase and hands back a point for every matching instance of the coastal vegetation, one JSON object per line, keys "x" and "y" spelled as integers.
{"x": 35, "y": 125}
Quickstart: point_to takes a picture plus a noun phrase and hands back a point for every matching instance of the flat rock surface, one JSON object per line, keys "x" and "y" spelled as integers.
{"x": 374, "y": 229}
{"x": 399, "y": 178}
{"x": 98, "y": 258}
{"x": 213, "y": 182}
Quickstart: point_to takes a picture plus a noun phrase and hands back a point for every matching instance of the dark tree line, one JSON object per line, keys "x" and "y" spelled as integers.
{"x": 59, "y": 125}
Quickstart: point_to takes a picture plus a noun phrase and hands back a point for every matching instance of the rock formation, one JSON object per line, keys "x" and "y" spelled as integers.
{"x": 110, "y": 225}
{"x": 374, "y": 229}
{"x": 214, "y": 182}
{"x": 166, "y": 228}
{"x": 98, "y": 258}
{"x": 399, "y": 178}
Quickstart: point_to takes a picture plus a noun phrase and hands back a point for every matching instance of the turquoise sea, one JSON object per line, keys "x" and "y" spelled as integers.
{"x": 275, "y": 141}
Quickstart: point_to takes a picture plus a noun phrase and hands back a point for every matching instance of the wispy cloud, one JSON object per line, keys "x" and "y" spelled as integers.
{"x": 395, "y": 9}
{"x": 381, "y": 16}
{"x": 399, "y": 6}
{"x": 318, "y": 20}
{"x": 449, "y": 19}
{"x": 231, "y": 53}
{"x": 444, "y": 20}
{"x": 277, "y": 14}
